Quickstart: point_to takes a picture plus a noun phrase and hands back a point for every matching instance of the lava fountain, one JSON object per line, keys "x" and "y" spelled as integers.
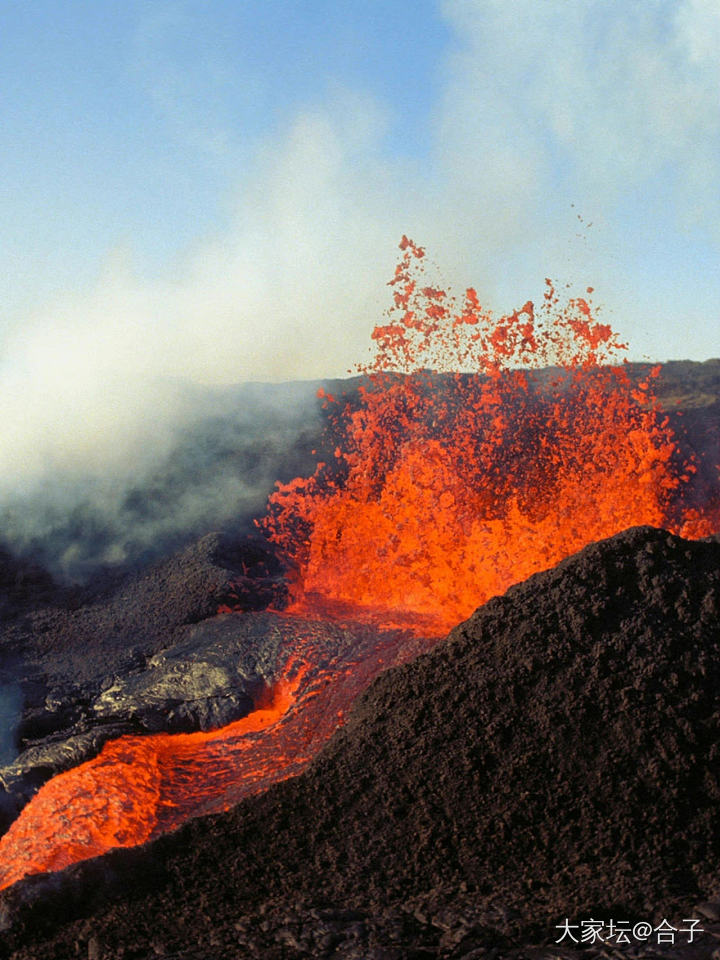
{"x": 479, "y": 451}
{"x": 483, "y": 450}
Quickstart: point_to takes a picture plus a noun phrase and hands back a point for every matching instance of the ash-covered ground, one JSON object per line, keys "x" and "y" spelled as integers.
{"x": 556, "y": 758}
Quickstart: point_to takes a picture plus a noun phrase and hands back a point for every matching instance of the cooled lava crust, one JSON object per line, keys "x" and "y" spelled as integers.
{"x": 63, "y": 649}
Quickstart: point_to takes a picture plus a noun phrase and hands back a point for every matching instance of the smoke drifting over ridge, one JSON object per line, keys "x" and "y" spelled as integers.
{"x": 98, "y": 391}
{"x": 210, "y": 466}
{"x": 597, "y": 106}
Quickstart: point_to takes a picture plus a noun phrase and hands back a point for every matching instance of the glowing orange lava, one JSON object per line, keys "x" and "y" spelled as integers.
{"x": 136, "y": 788}
{"x": 468, "y": 464}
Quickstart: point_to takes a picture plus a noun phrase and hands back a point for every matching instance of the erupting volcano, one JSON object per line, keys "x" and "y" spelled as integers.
{"x": 478, "y": 451}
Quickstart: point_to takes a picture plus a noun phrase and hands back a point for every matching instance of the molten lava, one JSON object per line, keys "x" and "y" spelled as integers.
{"x": 468, "y": 464}
{"x": 481, "y": 450}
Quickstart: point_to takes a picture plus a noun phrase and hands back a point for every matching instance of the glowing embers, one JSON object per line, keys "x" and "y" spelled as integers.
{"x": 481, "y": 451}
{"x": 141, "y": 786}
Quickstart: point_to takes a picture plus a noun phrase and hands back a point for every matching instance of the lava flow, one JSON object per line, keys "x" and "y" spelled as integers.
{"x": 141, "y": 786}
{"x": 480, "y": 451}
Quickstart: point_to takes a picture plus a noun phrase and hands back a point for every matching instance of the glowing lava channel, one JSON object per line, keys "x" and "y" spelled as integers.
{"x": 141, "y": 786}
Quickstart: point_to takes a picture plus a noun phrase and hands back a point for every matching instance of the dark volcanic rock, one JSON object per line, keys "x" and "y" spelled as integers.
{"x": 213, "y": 675}
{"x": 149, "y": 654}
{"x": 203, "y": 681}
{"x": 558, "y": 757}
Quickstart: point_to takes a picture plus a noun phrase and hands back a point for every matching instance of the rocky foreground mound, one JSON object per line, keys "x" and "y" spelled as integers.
{"x": 557, "y": 758}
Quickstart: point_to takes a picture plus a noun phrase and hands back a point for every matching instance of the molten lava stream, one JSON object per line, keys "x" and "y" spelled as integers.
{"x": 141, "y": 786}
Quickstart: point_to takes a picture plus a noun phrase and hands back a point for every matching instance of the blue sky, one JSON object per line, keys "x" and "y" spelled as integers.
{"x": 134, "y": 124}
{"x": 214, "y": 191}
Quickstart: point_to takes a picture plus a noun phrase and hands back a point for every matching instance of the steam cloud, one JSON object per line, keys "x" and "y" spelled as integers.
{"x": 543, "y": 106}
